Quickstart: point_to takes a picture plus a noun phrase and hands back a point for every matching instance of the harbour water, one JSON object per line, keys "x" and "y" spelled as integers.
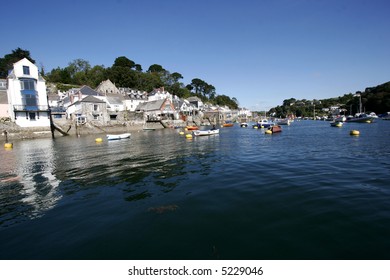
{"x": 310, "y": 192}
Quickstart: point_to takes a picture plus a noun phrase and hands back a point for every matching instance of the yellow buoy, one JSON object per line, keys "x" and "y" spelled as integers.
{"x": 189, "y": 136}
{"x": 256, "y": 127}
{"x": 354, "y": 132}
{"x": 8, "y": 145}
{"x": 181, "y": 133}
{"x": 98, "y": 140}
{"x": 268, "y": 131}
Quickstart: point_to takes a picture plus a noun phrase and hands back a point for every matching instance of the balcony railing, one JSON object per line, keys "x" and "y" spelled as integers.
{"x": 35, "y": 108}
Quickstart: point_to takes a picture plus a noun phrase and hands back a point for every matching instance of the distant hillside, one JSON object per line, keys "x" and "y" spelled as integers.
{"x": 377, "y": 99}
{"x": 374, "y": 99}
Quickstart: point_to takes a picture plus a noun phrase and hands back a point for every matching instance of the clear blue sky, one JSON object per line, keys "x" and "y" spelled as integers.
{"x": 258, "y": 51}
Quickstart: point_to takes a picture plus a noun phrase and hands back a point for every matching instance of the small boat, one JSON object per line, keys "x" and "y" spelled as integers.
{"x": 340, "y": 118}
{"x": 385, "y": 116}
{"x": 275, "y": 129}
{"x": 118, "y": 136}
{"x": 360, "y": 118}
{"x": 206, "y": 132}
{"x": 336, "y": 124}
{"x": 244, "y": 124}
{"x": 228, "y": 124}
{"x": 283, "y": 122}
{"x": 264, "y": 123}
{"x": 192, "y": 127}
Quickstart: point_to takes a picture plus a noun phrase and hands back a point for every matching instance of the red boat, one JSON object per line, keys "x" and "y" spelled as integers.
{"x": 275, "y": 128}
{"x": 192, "y": 127}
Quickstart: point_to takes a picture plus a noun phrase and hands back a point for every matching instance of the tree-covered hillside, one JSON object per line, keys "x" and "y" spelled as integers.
{"x": 374, "y": 99}
{"x": 124, "y": 73}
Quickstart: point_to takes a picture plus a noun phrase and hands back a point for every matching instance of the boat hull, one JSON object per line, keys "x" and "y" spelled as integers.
{"x": 191, "y": 127}
{"x": 361, "y": 120}
{"x": 206, "y": 132}
{"x": 118, "y": 136}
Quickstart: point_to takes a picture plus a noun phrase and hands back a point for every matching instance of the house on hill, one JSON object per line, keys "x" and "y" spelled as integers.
{"x": 133, "y": 98}
{"x": 26, "y": 94}
{"x": 89, "y": 108}
{"x": 156, "y": 110}
{"x": 107, "y": 87}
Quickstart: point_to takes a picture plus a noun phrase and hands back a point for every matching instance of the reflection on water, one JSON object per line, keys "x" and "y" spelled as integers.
{"x": 29, "y": 186}
{"x": 311, "y": 191}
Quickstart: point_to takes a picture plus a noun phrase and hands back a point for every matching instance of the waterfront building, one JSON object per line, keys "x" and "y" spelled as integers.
{"x": 3, "y": 99}
{"x": 27, "y": 98}
{"x": 89, "y": 108}
{"x": 156, "y": 110}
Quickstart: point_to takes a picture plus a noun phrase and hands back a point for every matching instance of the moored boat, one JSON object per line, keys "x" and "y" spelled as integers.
{"x": 264, "y": 123}
{"x": 283, "y": 122}
{"x": 360, "y": 118}
{"x": 118, "y": 136}
{"x": 244, "y": 124}
{"x": 340, "y": 118}
{"x": 192, "y": 127}
{"x": 336, "y": 124}
{"x": 206, "y": 132}
{"x": 274, "y": 129}
{"x": 228, "y": 124}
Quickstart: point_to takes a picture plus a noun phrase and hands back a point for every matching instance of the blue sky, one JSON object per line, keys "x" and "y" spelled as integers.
{"x": 258, "y": 51}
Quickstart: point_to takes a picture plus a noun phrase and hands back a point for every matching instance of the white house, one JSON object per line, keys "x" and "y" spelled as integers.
{"x": 27, "y": 98}
{"x": 158, "y": 94}
{"x": 133, "y": 98}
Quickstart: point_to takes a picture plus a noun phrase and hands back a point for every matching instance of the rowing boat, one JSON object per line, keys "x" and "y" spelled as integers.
{"x": 206, "y": 132}
{"x": 118, "y": 136}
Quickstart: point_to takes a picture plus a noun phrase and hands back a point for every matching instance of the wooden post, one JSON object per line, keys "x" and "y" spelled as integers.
{"x": 50, "y": 118}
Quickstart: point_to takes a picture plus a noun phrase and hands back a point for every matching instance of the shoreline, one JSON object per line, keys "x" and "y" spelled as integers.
{"x": 17, "y": 133}
{"x": 14, "y": 132}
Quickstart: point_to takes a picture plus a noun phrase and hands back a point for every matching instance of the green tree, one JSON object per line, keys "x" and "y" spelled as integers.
{"x": 123, "y": 61}
{"x": 6, "y": 63}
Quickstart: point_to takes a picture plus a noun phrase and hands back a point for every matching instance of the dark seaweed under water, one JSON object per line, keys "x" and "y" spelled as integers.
{"x": 310, "y": 192}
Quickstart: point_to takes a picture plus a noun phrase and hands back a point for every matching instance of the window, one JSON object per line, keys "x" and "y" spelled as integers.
{"x": 26, "y": 70}
{"x": 30, "y": 100}
{"x": 27, "y": 84}
{"x": 95, "y": 107}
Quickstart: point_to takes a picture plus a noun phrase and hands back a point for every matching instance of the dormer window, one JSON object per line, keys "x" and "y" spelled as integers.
{"x": 26, "y": 70}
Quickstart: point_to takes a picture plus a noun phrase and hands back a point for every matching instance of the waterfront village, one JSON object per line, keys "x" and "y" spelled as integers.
{"x": 31, "y": 108}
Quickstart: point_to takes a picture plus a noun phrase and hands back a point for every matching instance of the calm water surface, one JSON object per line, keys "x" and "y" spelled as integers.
{"x": 310, "y": 192}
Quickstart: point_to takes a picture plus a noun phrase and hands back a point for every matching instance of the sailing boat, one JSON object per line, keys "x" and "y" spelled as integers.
{"x": 360, "y": 117}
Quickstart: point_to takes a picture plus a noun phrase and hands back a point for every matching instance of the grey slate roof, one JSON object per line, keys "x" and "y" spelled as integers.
{"x": 91, "y": 99}
{"x": 151, "y": 105}
{"x": 86, "y": 90}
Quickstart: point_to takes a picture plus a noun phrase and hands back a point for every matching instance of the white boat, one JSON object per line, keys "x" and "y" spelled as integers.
{"x": 206, "y": 132}
{"x": 361, "y": 118}
{"x": 336, "y": 123}
{"x": 340, "y": 118}
{"x": 118, "y": 136}
{"x": 283, "y": 122}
